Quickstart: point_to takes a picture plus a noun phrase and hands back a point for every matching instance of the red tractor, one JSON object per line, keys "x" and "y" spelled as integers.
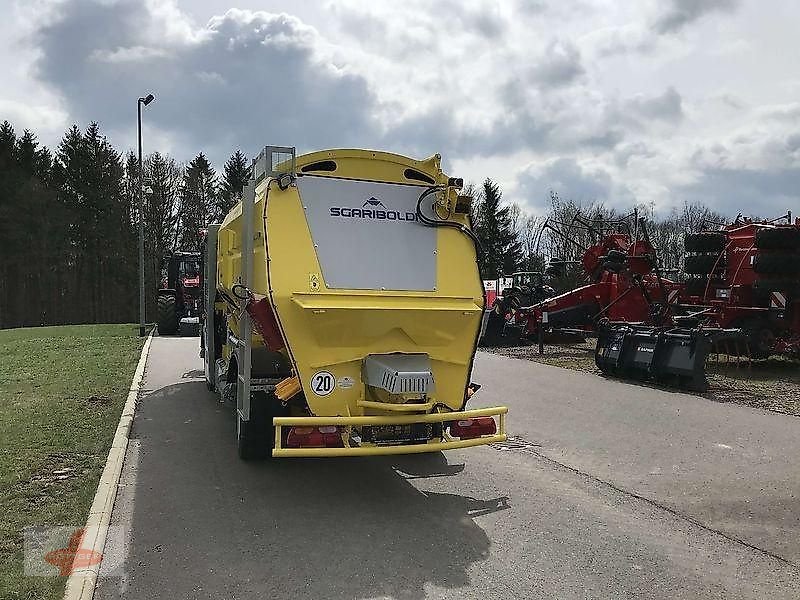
{"x": 747, "y": 275}
{"x": 179, "y": 298}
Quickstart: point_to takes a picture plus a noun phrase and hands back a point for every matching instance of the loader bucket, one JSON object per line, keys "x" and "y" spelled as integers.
{"x": 669, "y": 356}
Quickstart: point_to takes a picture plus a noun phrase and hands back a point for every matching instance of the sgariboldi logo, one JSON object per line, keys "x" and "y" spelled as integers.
{"x": 373, "y": 209}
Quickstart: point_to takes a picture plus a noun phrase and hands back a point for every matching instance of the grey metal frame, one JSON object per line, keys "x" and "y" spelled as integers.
{"x": 244, "y": 345}
{"x": 211, "y": 293}
{"x": 262, "y": 168}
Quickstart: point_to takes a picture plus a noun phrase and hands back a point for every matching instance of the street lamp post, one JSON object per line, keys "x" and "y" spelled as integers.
{"x": 142, "y": 101}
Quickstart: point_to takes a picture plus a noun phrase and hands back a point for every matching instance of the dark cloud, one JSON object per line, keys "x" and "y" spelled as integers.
{"x": 605, "y": 140}
{"x": 762, "y": 193}
{"x": 570, "y": 180}
{"x": 560, "y": 65}
{"x": 438, "y": 130}
{"x": 677, "y": 14}
{"x": 245, "y": 80}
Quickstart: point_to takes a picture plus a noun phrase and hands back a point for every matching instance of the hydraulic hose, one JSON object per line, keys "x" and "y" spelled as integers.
{"x": 427, "y": 221}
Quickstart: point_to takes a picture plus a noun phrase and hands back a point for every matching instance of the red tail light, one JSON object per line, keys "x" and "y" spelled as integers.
{"x": 467, "y": 429}
{"x": 314, "y": 437}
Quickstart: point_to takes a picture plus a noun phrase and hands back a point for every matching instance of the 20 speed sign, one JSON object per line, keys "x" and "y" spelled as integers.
{"x": 322, "y": 383}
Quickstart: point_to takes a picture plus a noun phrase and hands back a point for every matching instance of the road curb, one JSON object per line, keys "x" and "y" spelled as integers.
{"x": 81, "y": 582}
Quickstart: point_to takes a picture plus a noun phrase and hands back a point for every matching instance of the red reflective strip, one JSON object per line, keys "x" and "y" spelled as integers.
{"x": 473, "y": 428}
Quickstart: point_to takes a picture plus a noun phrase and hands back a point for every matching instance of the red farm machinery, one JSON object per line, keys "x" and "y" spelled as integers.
{"x": 647, "y": 326}
{"x": 624, "y": 283}
{"x": 746, "y": 275}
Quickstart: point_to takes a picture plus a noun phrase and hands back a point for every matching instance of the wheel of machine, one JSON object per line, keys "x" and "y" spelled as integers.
{"x": 167, "y": 315}
{"x": 256, "y": 438}
{"x": 778, "y": 239}
{"x": 696, "y": 286}
{"x": 707, "y": 241}
{"x": 778, "y": 263}
{"x": 702, "y": 264}
{"x": 760, "y": 337}
{"x": 769, "y": 284}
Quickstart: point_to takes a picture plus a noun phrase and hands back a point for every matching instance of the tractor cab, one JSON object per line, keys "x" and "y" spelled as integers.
{"x": 528, "y": 288}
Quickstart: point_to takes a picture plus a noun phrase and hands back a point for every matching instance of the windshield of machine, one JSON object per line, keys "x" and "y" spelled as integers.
{"x": 190, "y": 268}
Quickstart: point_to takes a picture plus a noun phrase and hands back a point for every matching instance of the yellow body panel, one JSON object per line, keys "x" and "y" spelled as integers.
{"x": 333, "y": 329}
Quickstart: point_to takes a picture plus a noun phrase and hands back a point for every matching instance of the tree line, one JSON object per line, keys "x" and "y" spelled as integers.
{"x": 69, "y": 222}
{"x": 512, "y": 241}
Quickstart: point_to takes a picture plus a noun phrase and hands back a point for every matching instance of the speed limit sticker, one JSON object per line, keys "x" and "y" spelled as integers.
{"x": 322, "y": 383}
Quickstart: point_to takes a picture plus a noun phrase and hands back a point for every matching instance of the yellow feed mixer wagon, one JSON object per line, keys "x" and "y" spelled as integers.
{"x": 342, "y": 308}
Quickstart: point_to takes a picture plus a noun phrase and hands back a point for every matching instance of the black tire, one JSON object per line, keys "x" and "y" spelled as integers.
{"x": 778, "y": 263}
{"x": 167, "y": 315}
{"x": 707, "y": 241}
{"x": 781, "y": 238}
{"x": 768, "y": 284}
{"x": 255, "y": 438}
{"x": 760, "y": 338}
{"x": 702, "y": 264}
{"x": 696, "y": 286}
{"x": 616, "y": 256}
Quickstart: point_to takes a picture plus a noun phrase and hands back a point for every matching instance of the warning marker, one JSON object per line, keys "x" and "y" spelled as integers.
{"x": 777, "y": 300}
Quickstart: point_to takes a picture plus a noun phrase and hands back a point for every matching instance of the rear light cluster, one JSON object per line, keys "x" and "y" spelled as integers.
{"x": 314, "y": 437}
{"x": 468, "y": 429}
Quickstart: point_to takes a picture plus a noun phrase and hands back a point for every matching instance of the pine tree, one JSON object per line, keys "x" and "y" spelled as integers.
{"x": 89, "y": 177}
{"x": 8, "y": 179}
{"x": 163, "y": 178}
{"x": 234, "y": 178}
{"x": 38, "y": 227}
{"x": 502, "y": 251}
{"x": 198, "y": 201}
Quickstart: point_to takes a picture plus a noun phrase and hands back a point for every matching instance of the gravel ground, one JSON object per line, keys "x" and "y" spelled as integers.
{"x": 772, "y": 384}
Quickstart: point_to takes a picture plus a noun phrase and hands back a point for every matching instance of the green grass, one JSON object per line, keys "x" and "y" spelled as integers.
{"x": 772, "y": 384}
{"x": 62, "y": 390}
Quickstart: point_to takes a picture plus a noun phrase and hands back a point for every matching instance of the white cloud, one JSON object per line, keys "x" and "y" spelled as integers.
{"x": 617, "y": 101}
{"x": 36, "y": 117}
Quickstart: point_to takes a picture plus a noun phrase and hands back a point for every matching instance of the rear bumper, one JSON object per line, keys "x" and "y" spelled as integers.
{"x": 448, "y": 442}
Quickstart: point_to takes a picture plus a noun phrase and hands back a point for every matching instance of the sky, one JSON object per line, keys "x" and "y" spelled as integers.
{"x": 649, "y": 102}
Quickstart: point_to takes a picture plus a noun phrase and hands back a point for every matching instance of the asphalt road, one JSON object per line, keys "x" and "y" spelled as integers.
{"x": 608, "y": 490}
